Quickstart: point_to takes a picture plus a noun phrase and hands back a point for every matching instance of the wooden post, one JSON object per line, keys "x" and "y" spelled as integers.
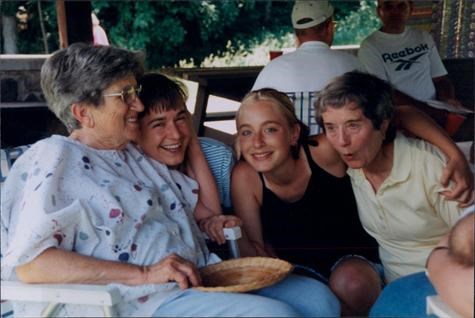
{"x": 62, "y": 27}
{"x": 74, "y": 22}
{"x": 78, "y": 20}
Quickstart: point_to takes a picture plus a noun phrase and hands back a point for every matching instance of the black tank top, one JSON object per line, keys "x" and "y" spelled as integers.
{"x": 319, "y": 228}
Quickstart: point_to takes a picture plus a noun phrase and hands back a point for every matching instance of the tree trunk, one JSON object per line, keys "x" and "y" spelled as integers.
{"x": 9, "y": 35}
{"x": 42, "y": 25}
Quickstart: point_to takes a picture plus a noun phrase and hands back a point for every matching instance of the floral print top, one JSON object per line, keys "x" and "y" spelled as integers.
{"x": 116, "y": 205}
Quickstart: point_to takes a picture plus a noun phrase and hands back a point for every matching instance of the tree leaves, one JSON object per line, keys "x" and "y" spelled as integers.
{"x": 197, "y": 30}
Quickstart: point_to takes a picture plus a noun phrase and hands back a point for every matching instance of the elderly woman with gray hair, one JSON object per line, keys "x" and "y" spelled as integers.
{"x": 91, "y": 208}
{"x": 396, "y": 182}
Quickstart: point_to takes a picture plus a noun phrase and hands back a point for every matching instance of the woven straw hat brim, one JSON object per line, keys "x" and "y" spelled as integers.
{"x": 243, "y": 274}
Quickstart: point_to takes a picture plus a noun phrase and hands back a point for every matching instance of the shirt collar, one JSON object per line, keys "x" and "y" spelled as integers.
{"x": 313, "y": 45}
{"x": 401, "y": 159}
{"x": 401, "y": 163}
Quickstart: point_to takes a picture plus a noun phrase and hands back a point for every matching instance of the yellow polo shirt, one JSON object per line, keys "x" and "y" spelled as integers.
{"x": 407, "y": 216}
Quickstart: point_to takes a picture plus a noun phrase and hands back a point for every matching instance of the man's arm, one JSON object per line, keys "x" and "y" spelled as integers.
{"x": 60, "y": 266}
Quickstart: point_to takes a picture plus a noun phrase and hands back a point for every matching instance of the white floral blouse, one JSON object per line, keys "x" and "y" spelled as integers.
{"x": 110, "y": 204}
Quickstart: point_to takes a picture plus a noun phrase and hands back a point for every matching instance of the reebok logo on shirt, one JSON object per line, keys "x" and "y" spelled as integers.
{"x": 402, "y": 57}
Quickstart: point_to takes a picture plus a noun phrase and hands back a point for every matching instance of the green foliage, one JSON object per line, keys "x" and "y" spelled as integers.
{"x": 355, "y": 20}
{"x": 196, "y": 32}
{"x": 29, "y": 31}
{"x": 357, "y": 25}
{"x": 173, "y": 31}
{"x": 343, "y": 8}
{"x": 31, "y": 38}
{"x": 8, "y": 8}
{"x": 255, "y": 54}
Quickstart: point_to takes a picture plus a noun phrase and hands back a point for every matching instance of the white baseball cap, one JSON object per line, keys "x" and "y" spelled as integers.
{"x": 309, "y": 13}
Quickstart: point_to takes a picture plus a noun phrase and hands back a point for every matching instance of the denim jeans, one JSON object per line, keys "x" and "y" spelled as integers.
{"x": 295, "y": 296}
{"x": 404, "y": 297}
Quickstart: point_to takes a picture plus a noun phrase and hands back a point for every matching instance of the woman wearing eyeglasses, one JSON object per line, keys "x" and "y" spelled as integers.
{"x": 90, "y": 208}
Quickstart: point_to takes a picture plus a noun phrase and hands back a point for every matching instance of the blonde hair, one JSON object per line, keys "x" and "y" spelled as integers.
{"x": 285, "y": 107}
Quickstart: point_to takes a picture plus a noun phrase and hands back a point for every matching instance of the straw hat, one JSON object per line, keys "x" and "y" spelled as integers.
{"x": 243, "y": 274}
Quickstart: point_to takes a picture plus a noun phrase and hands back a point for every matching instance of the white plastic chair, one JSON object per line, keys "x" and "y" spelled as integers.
{"x": 56, "y": 295}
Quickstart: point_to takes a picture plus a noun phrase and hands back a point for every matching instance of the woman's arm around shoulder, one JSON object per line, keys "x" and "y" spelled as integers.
{"x": 198, "y": 169}
{"x": 208, "y": 213}
{"x": 457, "y": 168}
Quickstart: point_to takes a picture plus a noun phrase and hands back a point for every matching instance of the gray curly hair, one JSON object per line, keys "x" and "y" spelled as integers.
{"x": 80, "y": 73}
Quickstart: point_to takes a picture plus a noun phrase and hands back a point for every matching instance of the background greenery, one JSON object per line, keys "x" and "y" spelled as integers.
{"x": 191, "y": 33}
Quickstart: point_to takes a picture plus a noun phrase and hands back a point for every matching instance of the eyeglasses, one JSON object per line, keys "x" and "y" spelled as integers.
{"x": 128, "y": 94}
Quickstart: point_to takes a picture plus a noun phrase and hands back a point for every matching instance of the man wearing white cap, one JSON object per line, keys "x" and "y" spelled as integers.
{"x": 313, "y": 64}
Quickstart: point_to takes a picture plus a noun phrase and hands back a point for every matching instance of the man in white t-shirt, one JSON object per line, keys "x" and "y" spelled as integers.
{"x": 313, "y": 64}
{"x": 408, "y": 59}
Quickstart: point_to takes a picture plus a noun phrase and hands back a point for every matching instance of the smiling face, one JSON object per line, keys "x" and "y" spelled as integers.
{"x": 114, "y": 123}
{"x": 353, "y": 135}
{"x": 165, "y": 135}
{"x": 264, "y": 135}
{"x": 394, "y": 15}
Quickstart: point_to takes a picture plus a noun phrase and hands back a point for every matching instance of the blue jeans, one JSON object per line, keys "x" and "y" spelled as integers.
{"x": 404, "y": 297}
{"x": 295, "y": 296}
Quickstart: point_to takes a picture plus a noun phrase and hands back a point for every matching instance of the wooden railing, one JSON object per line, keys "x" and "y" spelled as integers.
{"x": 230, "y": 82}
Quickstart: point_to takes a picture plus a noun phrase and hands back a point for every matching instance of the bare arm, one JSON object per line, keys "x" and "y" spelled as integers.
{"x": 457, "y": 168}
{"x": 453, "y": 282}
{"x": 208, "y": 212}
{"x": 60, "y": 266}
{"x": 400, "y": 98}
{"x": 246, "y": 191}
{"x": 197, "y": 168}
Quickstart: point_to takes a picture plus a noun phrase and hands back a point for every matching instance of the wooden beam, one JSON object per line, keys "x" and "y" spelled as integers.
{"x": 62, "y": 25}
{"x": 78, "y": 21}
